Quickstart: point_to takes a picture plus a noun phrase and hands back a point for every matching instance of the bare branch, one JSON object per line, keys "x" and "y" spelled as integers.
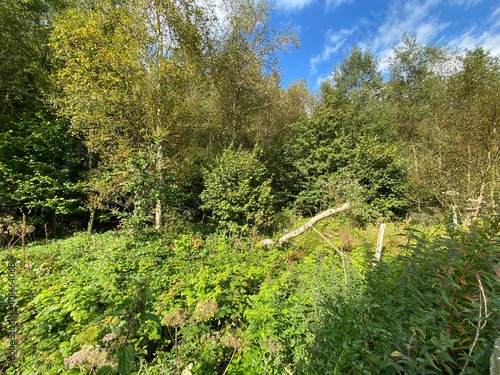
{"x": 337, "y": 250}
{"x": 308, "y": 225}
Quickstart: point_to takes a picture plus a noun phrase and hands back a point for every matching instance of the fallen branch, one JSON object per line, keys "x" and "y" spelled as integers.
{"x": 308, "y": 225}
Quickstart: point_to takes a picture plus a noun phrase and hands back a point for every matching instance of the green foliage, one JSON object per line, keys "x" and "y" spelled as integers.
{"x": 352, "y": 95}
{"x": 471, "y": 147}
{"x": 328, "y": 169}
{"x": 244, "y": 68}
{"x": 442, "y": 299}
{"x": 25, "y": 27}
{"x": 110, "y": 304}
{"x": 444, "y": 117}
{"x": 106, "y": 370}
{"x": 153, "y": 108}
{"x": 238, "y": 192}
{"x": 40, "y": 164}
{"x": 143, "y": 190}
{"x": 41, "y": 169}
{"x": 343, "y": 152}
{"x": 125, "y": 359}
{"x": 77, "y": 292}
{"x": 382, "y": 177}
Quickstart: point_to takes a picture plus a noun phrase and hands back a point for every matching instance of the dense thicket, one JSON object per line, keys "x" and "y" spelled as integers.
{"x": 115, "y": 109}
{"x": 42, "y": 167}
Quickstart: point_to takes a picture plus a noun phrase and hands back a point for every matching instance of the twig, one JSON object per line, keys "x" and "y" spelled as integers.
{"x": 337, "y": 250}
{"x": 485, "y": 301}
{"x": 230, "y": 360}
{"x": 482, "y": 299}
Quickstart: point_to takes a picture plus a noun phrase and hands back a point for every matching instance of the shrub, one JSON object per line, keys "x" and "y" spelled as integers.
{"x": 238, "y": 192}
{"x": 323, "y": 167}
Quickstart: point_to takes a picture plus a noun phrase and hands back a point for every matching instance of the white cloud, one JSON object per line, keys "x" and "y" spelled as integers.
{"x": 495, "y": 18}
{"x": 332, "y": 4}
{"x": 297, "y": 5}
{"x": 320, "y": 79}
{"x": 334, "y": 41}
{"x": 426, "y": 32}
{"x": 421, "y": 19}
{"x": 467, "y": 3}
{"x": 380, "y": 32}
{"x": 215, "y": 8}
{"x": 470, "y": 40}
{"x": 292, "y": 5}
{"x": 297, "y": 29}
{"x": 411, "y": 17}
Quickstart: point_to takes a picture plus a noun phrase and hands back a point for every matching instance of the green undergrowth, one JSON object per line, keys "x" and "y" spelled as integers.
{"x": 191, "y": 304}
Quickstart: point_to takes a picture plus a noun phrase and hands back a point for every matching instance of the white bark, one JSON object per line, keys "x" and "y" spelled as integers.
{"x": 380, "y": 242}
{"x": 308, "y": 225}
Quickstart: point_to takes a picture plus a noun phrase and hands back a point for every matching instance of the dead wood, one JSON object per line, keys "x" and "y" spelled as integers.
{"x": 308, "y": 225}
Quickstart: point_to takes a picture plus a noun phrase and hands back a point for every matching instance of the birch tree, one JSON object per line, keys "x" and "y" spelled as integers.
{"x": 126, "y": 68}
{"x": 472, "y": 151}
{"x": 245, "y": 69}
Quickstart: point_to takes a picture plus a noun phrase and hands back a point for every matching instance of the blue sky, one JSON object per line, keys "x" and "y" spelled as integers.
{"x": 328, "y": 29}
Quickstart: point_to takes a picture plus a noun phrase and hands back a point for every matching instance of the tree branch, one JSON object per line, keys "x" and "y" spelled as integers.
{"x": 308, "y": 225}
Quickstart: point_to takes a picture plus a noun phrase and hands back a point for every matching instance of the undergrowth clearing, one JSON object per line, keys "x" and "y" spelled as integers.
{"x": 187, "y": 303}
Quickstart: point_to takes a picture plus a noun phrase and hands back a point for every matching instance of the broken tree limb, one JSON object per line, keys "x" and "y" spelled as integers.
{"x": 308, "y": 225}
{"x": 380, "y": 242}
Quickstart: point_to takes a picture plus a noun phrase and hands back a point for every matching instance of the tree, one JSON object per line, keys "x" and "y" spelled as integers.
{"x": 127, "y": 69}
{"x": 472, "y": 149}
{"x": 448, "y": 118}
{"x": 336, "y": 154}
{"x": 245, "y": 71}
{"x": 415, "y": 97}
{"x": 24, "y": 55}
{"x": 352, "y": 93}
{"x": 276, "y": 137}
{"x": 41, "y": 171}
{"x": 40, "y": 163}
{"x": 413, "y": 85}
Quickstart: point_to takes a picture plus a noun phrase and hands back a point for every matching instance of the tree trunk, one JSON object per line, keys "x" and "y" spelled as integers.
{"x": 158, "y": 122}
{"x": 90, "y": 224}
{"x": 415, "y": 157}
{"x": 469, "y": 170}
{"x": 159, "y": 166}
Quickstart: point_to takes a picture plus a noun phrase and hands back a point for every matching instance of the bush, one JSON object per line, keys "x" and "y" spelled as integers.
{"x": 324, "y": 167}
{"x": 237, "y": 192}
